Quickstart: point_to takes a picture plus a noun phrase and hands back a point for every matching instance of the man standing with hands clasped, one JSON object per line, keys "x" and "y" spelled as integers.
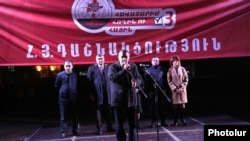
{"x": 158, "y": 108}
{"x": 100, "y": 93}
{"x": 125, "y": 78}
{"x": 66, "y": 84}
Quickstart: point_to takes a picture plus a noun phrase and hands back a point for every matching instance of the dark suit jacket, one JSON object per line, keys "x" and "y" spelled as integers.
{"x": 94, "y": 77}
{"x": 159, "y": 75}
{"x": 67, "y": 87}
{"x": 120, "y": 85}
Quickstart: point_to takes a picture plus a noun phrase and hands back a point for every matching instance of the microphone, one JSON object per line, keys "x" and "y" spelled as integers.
{"x": 126, "y": 64}
{"x": 123, "y": 63}
{"x": 144, "y": 65}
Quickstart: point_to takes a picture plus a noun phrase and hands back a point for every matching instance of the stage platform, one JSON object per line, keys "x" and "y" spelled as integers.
{"x": 48, "y": 130}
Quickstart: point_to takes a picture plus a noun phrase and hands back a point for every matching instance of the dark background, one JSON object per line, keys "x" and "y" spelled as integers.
{"x": 216, "y": 86}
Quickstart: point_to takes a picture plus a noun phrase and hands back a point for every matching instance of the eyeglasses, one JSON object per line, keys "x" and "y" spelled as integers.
{"x": 124, "y": 56}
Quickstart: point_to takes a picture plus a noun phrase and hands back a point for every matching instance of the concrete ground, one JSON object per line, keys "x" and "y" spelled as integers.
{"x": 24, "y": 129}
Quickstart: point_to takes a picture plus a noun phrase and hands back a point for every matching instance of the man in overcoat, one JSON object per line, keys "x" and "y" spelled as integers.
{"x": 97, "y": 76}
{"x": 125, "y": 78}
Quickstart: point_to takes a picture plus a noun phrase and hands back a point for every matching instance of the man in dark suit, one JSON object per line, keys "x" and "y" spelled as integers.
{"x": 100, "y": 93}
{"x": 66, "y": 84}
{"x": 125, "y": 79}
{"x": 158, "y": 109}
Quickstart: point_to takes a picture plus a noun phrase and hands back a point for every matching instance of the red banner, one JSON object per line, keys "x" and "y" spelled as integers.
{"x": 46, "y": 32}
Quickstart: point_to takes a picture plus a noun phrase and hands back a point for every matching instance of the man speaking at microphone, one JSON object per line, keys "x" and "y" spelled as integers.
{"x": 125, "y": 78}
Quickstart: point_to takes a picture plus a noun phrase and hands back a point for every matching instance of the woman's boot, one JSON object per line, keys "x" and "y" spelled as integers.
{"x": 182, "y": 117}
{"x": 175, "y": 122}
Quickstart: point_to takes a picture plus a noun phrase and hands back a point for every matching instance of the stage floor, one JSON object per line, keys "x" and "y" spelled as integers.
{"x": 21, "y": 130}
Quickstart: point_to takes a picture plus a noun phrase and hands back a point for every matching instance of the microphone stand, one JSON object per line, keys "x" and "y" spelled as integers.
{"x": 156, "y": 111}
{"x": 156, "y": 87}
{"x": 140, "y": 88}
{"x": 136, "y": 101}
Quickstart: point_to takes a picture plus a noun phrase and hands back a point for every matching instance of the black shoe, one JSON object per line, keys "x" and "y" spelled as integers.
{"x": 64, "y": 135}
{"x": 110, "y": 129}
{"x": 164, "y": 124}
{"x": 184, "y": 123}
{"x": 139, "y": 127}
{"x": 99, "y": 131}
{"x": 175, "y": 124}
{"x": 76, "y": 133}
{"x": 152, "y": 125}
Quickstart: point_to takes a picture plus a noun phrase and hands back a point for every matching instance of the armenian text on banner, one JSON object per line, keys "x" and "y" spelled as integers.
{"x": 35, "y": 32}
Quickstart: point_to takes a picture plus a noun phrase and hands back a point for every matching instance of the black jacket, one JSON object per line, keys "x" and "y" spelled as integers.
{"x": 96, "y": 80}
{"x": 122, "y": 92}
{"x": 67, "y": 87}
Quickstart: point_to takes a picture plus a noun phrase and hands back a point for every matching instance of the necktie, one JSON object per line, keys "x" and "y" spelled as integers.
{"x": 101, "y": 69}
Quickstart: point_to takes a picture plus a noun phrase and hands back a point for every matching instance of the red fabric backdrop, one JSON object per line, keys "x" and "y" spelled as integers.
{"x": 35, "y": 32}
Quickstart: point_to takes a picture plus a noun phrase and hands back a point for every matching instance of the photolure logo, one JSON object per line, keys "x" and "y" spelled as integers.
{"x": 95, "y": 16}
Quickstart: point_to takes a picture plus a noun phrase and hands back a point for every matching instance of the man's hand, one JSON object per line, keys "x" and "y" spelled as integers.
{"x": 126, "y": 66}
{"x": 92, "y": 98}
{"x": 133, "y": 83}
{"x": 136, "y": 90}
